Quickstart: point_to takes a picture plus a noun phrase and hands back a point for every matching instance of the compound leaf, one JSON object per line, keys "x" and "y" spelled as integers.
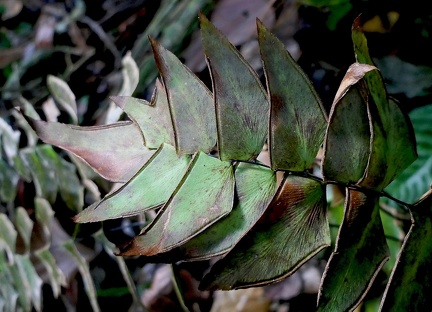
{"x": 297, "y": 118}
{"x": 190, "y": 104}
{"x": 240, "y": 99}
{"x": 204, "y": 195}
{"x": 291, "y": 231}
{"x": 255, "y": 187}
{"x": 149, "y": 188}
{"x": 361, "y": 251}
{"x": 410, "y": 283}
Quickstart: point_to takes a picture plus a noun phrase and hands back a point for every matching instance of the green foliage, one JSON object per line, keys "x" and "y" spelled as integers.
{"x": 27, "y": 258}
{"x": 409, "y": 277}
{"x": 195, "y": 158}
{"x": 23, "y": 288}
{"x": 415, "y": 180}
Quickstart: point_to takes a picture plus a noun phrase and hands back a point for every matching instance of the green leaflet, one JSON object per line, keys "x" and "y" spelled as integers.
{"x": 393, "y": 146}
{"x": 8, "y": 182}
{"x": 393, "y": 142}
{"x": 415, "y": 180}
{"x": 24, "y": 226}
{"x": 21, "y": 284}
{"x": 361, "y": 251}
{"x": 55, "y": 275}
{"x": 84, "y": 270}
{"x": 204, "y": 195}
{"x": 114, "y": 151}
{"x": 7, "y": 233}
{"x": 18, "y": 268}
{"x": 51, "y": 174}
{"x": 7, "y": 287}
{"x": 297, "y": 118}
{"x": 149, "y": 188}
{"x": 240, "y": 100}
{"x": 347, "y": 141}
{"x": 410, "y": 283}
{"x": 30, "y": 279}
{"x": 153, "y": 118}
{"x": 190, "y": 104}
{"x": 255, "y": 187}
{"x": 65, "y": 177}
{"x": 42, "y": 171}
{"x": 44, "y": 216}
{"x": 70, "y": 188}
{"x": 291, "y": 231}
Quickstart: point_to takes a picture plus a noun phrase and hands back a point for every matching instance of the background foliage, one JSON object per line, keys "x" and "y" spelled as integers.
{"x": 41, "y": 188}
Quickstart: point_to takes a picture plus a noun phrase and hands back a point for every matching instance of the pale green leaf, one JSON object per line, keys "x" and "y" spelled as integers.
{"x": 148, "y": 189}
{"x": 43, "y": 175}
{"x": 84, "y": 270}
{"x": 8, "y": 182}
{"x": 7, "y": 232}
{"x": 22, "y": 285}
{"x": 9, "y": 140}
{"x": 7, "y": 289}
{"x": 255, "y": 187}
{"x": 70, "y": 188}
{"x": 55, "y": 275}
{"x": 44, "y": 216}
{"x": 130, "y": 73}
{"x": 63, "y": 95}
{"x": 28, "y": 272}
{"x": 115, "y": 151}
{"x": 204, "y": 195}
{"x": 24, "y": 225}
{"x": 154, "y": 119}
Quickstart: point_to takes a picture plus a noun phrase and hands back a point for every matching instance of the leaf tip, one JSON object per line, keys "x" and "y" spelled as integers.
{"x": 356, "y": 26}
{"x": 202, "y": 18}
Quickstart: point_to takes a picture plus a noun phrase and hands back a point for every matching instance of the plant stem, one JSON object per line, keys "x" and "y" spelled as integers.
{"x": 177, "y": 288}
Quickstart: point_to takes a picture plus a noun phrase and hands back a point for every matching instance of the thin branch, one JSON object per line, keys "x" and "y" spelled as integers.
{"x": 391, "y": 212}
{"x": 404, "y": 205}
{"x": 177, "y": 288}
